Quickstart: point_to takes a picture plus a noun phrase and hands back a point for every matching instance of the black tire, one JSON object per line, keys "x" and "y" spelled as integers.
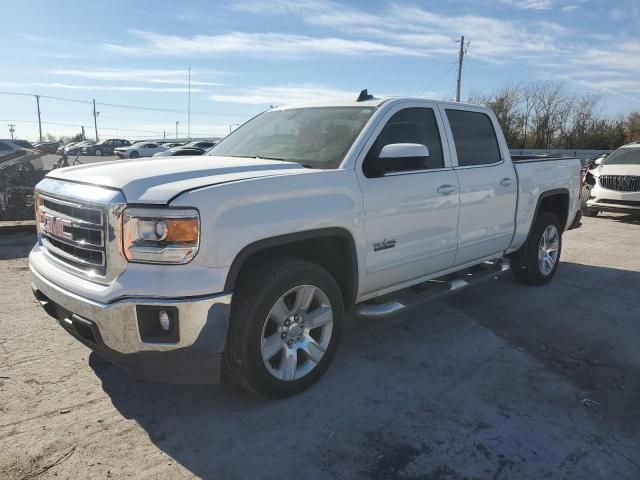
{"x": 524, "y": 262}
{"x": 254, "y": 297}
{"x": 97, "y": 152}
{"x": 584, "y": 196}
{"x": 134, "y": 154}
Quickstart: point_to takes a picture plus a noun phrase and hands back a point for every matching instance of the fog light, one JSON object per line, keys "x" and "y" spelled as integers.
{"x": 165, "y": 320}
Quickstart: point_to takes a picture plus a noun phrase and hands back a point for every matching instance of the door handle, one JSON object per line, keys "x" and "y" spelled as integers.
{"x": 506, "y": 181}
{"x": 446, "y": 189}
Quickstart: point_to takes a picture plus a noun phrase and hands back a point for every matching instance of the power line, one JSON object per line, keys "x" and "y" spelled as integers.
{"x": 119, "y": 105}
{"x": 80, "y": 126}
{"x": 444, "y": 73}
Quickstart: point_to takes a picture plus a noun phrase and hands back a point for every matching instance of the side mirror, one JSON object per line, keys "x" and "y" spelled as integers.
{"x": 396, "y": 157}
{"x": 404, "y": 150}
{"x": 599, "y": 161}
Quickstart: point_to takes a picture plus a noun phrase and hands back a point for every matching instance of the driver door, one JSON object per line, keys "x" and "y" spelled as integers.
{"x": 410, "y": 211}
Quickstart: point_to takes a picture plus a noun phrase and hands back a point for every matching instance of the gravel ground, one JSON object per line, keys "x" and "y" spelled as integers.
{"x": 500, "y": 381}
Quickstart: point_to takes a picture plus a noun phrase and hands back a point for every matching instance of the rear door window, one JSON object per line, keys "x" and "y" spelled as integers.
{"x": 475, "y": 138}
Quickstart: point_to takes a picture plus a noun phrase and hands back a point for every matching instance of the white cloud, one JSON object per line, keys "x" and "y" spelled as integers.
{"x": 529, "y": 4}
{"x": 283, "y": 94}
{"x": 275, "y": 44}
{"x": 116, "y": 88}
{"x": 173, "y": 76}
{"x": 423, "y": 30}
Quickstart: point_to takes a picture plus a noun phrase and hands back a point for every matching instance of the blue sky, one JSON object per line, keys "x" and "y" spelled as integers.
{"x": 246, "y": 55}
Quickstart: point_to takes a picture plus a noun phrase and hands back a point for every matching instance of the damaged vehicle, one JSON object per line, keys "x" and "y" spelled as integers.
{"x": 613, "y": 183}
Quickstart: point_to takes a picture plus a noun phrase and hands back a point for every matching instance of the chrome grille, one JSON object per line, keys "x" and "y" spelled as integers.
{"x": 620, "y": 183}
{"x": 73, "y": 232}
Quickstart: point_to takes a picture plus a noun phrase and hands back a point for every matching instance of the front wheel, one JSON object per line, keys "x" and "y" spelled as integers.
{"x": 134, "y": 154}
{"x": 98, "y": 152}
{"x": 285, "y": 326}
{"x": 537, "y": 260}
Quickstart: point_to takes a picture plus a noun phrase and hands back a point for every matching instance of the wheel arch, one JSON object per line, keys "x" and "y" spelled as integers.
{"x": 556, "y": 201}
{"x": 332, "y": 248}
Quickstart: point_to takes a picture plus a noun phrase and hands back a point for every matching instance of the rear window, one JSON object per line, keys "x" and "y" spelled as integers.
{"x": 4, "y": 146}
{"x": 474, "y": 137}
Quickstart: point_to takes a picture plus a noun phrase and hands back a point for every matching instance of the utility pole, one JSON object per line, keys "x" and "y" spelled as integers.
{"x": 39, "y": 120}
{"x": 83, "y": 135}
{"x": 177, "y": 122}
{"x": 463, "y": 50}
{"x": 95, "y": 118}
{"x": 189, "y": 108}
{"x": 12, "y": 129}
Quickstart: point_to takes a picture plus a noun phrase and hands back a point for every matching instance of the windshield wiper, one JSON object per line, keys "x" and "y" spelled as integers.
{"x": 281, "y": 159}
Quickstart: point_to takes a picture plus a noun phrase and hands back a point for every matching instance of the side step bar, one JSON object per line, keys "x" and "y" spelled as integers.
{"x": 417, "y": 294}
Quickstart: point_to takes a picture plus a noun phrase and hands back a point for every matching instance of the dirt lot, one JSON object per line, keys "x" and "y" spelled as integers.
{"x": 501, "y": 381}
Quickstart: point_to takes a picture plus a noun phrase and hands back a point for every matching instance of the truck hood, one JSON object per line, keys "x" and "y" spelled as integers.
{"x": 617, "y": 170}
{"x": 158, "y": 180}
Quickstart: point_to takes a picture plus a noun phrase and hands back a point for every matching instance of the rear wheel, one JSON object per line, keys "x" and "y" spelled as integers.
{"x": 285, "y": 326}
{"x": 537, "y": 260}
{"x": 584, "y": 196}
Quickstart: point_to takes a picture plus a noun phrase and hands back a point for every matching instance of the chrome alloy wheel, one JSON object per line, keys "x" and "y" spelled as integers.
{"x": 548, "y": 250}
{"x": 296, "y": 333}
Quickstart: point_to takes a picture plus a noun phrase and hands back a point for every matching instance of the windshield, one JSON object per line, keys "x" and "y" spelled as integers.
{"x": 315, "y": 137}
{"x": 624, "y": 156}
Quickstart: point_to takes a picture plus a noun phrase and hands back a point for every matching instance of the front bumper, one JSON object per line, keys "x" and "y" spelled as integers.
{"x": 114, "y": 332}
{"x": 613, "y": 200}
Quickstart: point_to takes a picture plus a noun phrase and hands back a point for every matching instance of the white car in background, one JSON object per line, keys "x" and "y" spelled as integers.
{"x": 615, "y": 182}
{"x": 203, "y": 144}
{"x": 139, "y": 149}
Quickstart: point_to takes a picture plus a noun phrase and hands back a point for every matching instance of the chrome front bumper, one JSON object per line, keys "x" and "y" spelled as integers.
{"x": 112, "y": 330}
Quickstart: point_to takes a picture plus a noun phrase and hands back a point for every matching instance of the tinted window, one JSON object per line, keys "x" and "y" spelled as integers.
{"x": 624, "y": 156}
{"x": 411, "y": 125}
{"x": 151, "y": 145}
{"x": 4, "y": 146}
{"x": 475, "y": 138}
{"x": 22, "y": 143}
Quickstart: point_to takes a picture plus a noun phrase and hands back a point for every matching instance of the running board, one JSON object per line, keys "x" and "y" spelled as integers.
{"x": 394, "y": 302}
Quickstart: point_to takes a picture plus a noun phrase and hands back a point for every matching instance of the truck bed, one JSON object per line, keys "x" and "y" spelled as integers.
{"x": 548, "y": 175}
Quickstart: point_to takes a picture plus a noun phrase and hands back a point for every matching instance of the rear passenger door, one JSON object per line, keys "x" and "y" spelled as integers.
{"x": 488, "y": 186}
{"x": 410, "y": 211}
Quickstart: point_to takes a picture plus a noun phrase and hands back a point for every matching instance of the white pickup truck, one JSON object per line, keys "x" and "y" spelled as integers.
{"x": 245, "y": 264}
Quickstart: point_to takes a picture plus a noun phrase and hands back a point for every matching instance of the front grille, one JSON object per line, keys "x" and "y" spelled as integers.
{"x": 73, "y": 233}
{"x": 620, "y": 183}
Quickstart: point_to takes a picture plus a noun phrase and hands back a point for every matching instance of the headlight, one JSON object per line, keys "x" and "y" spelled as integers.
{"x": 160, "y": 235}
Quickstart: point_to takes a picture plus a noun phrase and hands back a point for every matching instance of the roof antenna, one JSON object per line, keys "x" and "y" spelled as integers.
{"x": 364, "y": 95}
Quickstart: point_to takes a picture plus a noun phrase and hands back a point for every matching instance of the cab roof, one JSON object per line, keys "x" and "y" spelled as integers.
{"x": 353, "y": 102}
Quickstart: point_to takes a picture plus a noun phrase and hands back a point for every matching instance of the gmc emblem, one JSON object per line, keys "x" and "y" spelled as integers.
{"x": 55, "y": 226}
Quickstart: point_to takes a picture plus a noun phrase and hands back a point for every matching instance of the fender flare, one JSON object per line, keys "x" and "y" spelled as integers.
{"x": 281, "y": 240}
{"x": 542, "y": 196}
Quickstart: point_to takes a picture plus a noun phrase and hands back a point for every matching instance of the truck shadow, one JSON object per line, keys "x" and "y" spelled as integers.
{"x": 16, "y": 245}
{"x": 631, "y": 219}
{"x": 483, "y": 367}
